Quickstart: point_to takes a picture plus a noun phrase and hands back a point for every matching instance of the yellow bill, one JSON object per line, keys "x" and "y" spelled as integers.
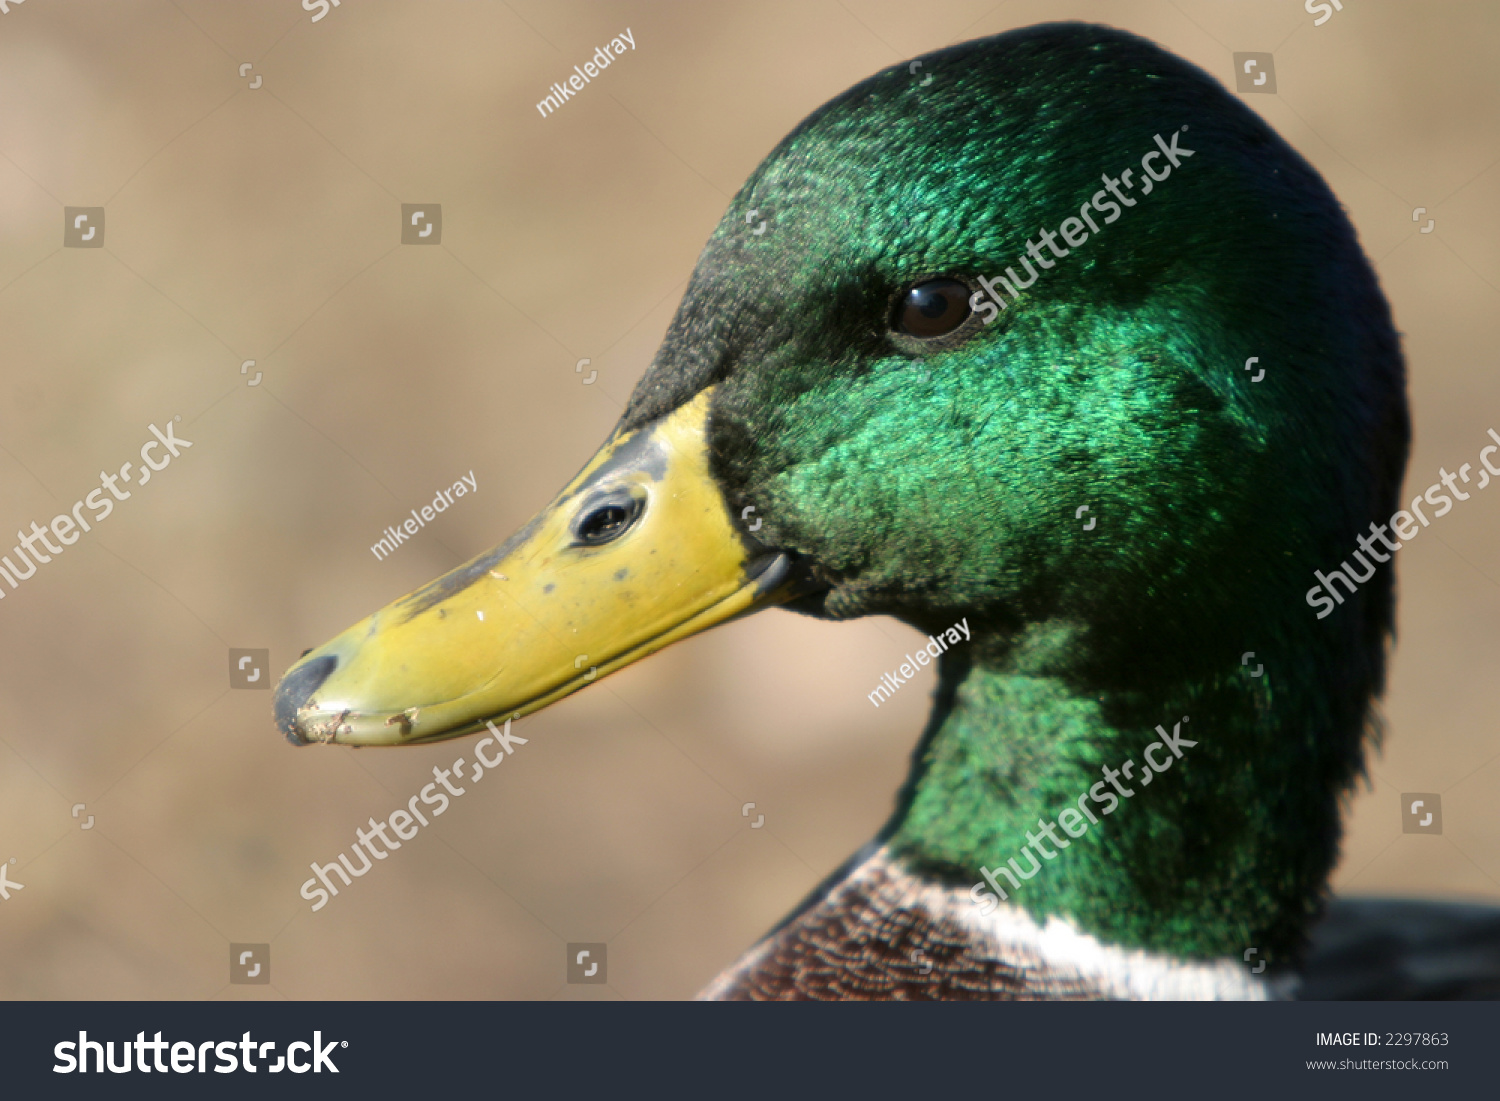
{"x": 639, "y": 551}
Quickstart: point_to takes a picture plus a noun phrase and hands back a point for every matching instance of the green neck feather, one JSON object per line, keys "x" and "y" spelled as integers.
{"x": 1198, "y": 862}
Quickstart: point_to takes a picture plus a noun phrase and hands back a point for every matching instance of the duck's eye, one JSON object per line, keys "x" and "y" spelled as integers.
{"x": 606, "y": 521}
{"x": 934, "y": 308}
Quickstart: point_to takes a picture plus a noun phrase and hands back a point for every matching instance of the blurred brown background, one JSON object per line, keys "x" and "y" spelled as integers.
{"x": 262, "y": 223}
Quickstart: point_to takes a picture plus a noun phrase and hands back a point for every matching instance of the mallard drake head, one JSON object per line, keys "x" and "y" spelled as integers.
{"x": 1051, "y": 335}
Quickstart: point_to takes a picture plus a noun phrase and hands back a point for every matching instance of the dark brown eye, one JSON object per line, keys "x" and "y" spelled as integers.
{"x": 608, "y": 519}
{"x": 934, "y": 308}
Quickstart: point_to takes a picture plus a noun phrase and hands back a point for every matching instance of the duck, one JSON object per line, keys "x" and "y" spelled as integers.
{"x": 1049, "y": 347}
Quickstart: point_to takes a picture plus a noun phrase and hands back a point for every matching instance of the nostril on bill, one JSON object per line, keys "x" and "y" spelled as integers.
{"x": 295, "y": 689}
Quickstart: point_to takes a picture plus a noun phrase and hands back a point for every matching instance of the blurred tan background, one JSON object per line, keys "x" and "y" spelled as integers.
{"x": 262, "y": 223}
